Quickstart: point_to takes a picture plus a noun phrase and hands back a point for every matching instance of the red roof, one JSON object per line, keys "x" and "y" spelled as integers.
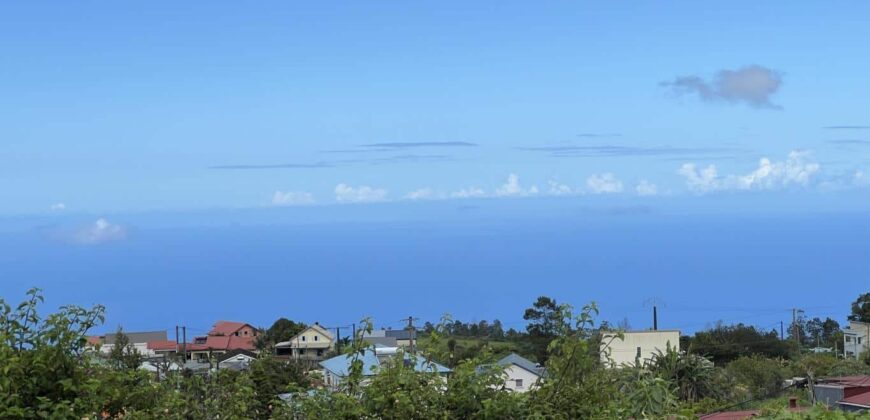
{"x": 162, "y": 345}
{"x": 212, "y": 342}
{"x": 227, "y": 327}
{"x": 849, "y": 381}
{"x": 862, "y": 399}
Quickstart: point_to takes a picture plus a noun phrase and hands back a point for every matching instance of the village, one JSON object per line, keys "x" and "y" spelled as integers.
{"x": 327, "y": 359}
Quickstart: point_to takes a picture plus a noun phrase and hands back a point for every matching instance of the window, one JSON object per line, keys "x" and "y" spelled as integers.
{"x": 303, "y": 338}
{"x": 320, "y": 352}
{"x": 237, "y": 333}
{"x": 848, "y": 339}
{"x": 859, "y": 340}
{"x": 518, "y": 383}
{"x": 315, "y": 338}
{"x": 638, "y": 352}
{"x": 301, "y": 351}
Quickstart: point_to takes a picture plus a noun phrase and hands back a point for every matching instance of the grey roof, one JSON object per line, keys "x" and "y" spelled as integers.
{"x": 383, "y": 341}
{"x": 233, "y": 353}
{"x": 399, "y": 334}
{"x": 138, "y": 337}
{"x": 516, "y": 359}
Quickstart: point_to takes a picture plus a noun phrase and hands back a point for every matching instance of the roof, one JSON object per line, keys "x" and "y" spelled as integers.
{"x": 227, "y": 327}
{"x": 340, "y": 365}
{"x": 381, "y": 341}
{"x": 161, "y": 345}
{"x": 137, "y": 337}
{"x": 237, "y": 352}
{"x": 848, "y": 381}
{"x": 860, "y": 400}
{"x": 296, "y": 342}
{"x": 399, "y": 334}
{"x": 516, "y": 359}
{"x": 212, "y": 342}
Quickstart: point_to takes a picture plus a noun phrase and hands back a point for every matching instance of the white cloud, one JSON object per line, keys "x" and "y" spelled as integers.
{"x": 559, "y": 189}
{"x": 512, "y": 188}
{"x": 471, "y": 192}
{"x": 645, "y": 188}
{"x": 795, "y": 171}
{"x": 423, "y": 194}
{"x": 99, "y": 232}
{"x": 605, "y": 183}
{"x": 292, "y": 198}
{"x": 58, "y": 207}
{"x": 860, "y": 179}
{"x": 753, "y": 85}
{"x": 347, "y": 194}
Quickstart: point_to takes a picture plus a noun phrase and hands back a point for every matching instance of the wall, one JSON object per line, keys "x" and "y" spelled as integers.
{"x": 515, "y": 372}
{"x": 624, "y": 352}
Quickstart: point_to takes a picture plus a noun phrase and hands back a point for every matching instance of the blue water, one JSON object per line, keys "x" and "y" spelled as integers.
{"x": 703, "y": 268}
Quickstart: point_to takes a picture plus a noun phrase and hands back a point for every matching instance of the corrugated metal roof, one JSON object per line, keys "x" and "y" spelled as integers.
{"x": 522, "y": 362}
{"x": 340, "y": 365}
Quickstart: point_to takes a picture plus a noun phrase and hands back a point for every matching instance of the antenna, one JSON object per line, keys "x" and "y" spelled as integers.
{"x": 655, "y": 302}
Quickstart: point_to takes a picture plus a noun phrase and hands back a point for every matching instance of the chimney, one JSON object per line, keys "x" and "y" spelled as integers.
{"x": 792, "y": 403}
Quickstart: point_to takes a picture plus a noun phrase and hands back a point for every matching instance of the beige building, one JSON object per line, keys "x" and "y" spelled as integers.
{"x": 313, "y": 343}
{"x": 521, "y": 374}
{"x": 636, "y": 346}
{"x": 855, "y": 339}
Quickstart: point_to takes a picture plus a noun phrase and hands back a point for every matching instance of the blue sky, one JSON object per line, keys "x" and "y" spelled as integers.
{"x": 119, "y": 120}
{"x": 107, "y": 107}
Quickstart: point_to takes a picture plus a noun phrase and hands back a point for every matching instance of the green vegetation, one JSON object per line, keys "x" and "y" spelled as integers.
{"x": 49, "y": 371}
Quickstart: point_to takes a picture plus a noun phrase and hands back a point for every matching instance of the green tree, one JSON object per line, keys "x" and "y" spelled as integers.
{"x": 123, "y": 355}
{"x": 544, "y": 323}
{"x": 282, "y": 329}
{"x": 861, "y": 308}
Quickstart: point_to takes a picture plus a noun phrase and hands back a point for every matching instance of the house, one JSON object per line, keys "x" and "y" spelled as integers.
{"x": 850, "y": 393}
{"x": 238, "y": 359}
{"x": 636, "y": 346}
{"x": 401, "y": 338}
{"x": 855, "y": 339}
{"x": 225, "y": 336}
{"x": 313, "y": 343}
{"x": 336, "y": 369}
{"x": 139, "y": 340}
{"x": 521, "y": 374}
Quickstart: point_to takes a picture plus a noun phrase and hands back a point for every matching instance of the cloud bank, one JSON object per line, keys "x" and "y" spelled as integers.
{"x": 99, "y": 232}
{"x": 292, "y": 198}
{"x": 362, "y": 194}
{"x": 795, "y": 171}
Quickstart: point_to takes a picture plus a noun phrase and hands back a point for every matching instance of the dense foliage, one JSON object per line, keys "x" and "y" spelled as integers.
{"x": 49, "y": 371}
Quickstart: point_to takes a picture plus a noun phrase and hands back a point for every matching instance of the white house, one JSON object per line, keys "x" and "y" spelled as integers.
{"x": 636, "y": 345}
{"x": 313, "y": 343}
{"x": 855, "y": 338}
{"x": 521, "y": 374}
{"x": 139, "y": 341}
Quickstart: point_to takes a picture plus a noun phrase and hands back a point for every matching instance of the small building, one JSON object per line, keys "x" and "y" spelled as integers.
{"x": 521, "y": 374}
{"x": 335, "y": 370}
{"x": 845, "y": 392}
{"x": 225, "y": 336}
{"x": 139, "y": 340}
{"x": 238, "y": 359}
{"x": 855, "y": 339}
{"x": 400, "y": 338}
{"x": 313, "y": 343}
{"x": 636, "y": 346}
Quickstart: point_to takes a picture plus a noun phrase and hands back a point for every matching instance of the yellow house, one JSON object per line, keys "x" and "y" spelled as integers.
{"x": 313, "y": 343}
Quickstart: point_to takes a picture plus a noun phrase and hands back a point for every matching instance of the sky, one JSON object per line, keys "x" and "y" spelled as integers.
{"x": 130, "y": 129}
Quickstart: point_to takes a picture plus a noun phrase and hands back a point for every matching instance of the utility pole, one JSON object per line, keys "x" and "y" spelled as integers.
{"x": 411, "y": 332}
{"x": 655, "y": 318}
{"x": 353, "y": 337}
{"x": 781, "y": 331}
{"x": 176, "y": 339}
{"x": 338, "y": 339}
{"x": 184, "y": 342}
